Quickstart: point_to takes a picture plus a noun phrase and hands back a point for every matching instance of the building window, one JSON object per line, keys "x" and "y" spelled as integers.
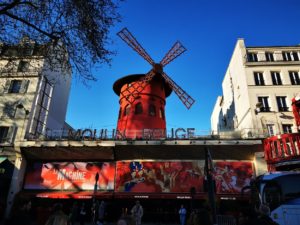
{"x": 259, "y": 78}
{"x": 269, "y": 56}
{"x": 252, "y": 57}
{"x": 271, "y": 129}
{"x": 276, "y": 79}
{"x": 161, "y": 113}
{"x": 138, "y": 108}
{"x": 264, "y": 104}
{"x": 294, "y": 76}
{"x": 15, "y": 86}
{"x": 281, "y": 103}
{"x": 23, "y": 66}
{"x": 287, "y": 128}
{"x": 9, "y": 110}
{"x": 290, "y": 56}
{"x": 152, "y": 110}
{"x": 3, "y": 134}
{"x": 127, "y": 110}
{"x": 40, "y": 115}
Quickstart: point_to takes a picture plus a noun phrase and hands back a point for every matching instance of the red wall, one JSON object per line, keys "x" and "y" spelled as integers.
{"x": 133, "y": 123}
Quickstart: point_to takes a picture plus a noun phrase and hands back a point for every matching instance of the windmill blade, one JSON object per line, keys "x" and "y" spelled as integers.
{"x": 173, "y": 53}
{"x": 186, "y": 99}
{"x": 126, "y": 36}
{"x": 132, "y": 91}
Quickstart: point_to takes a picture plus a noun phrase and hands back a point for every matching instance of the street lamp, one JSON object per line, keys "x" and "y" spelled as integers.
{"x": 208, "y": 170}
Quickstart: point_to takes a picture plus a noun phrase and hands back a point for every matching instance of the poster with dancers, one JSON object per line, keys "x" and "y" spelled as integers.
{"x": 70, "y": 176}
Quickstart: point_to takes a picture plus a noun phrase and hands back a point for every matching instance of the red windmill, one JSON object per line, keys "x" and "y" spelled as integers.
{"x": 142, "y": 96}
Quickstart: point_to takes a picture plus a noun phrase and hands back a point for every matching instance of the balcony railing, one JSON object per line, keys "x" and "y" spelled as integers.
{"x": 282, "y": 148}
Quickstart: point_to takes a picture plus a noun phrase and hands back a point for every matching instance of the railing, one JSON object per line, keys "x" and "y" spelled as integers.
{"x": 282, "y": 148}
{"x": 147, "y": 134}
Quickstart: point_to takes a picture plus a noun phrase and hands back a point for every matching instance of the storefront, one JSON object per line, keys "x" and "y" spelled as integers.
{"x": 162, "y": 177}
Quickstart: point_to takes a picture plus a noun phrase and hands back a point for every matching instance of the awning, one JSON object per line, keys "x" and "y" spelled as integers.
{"x": 2, "y": 159}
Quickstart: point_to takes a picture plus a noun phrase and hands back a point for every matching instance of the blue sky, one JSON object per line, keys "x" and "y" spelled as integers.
{"x": 208, "y": 29}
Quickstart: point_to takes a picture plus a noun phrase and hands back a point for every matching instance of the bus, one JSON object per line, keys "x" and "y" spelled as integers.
{"x": 281, "y": 192}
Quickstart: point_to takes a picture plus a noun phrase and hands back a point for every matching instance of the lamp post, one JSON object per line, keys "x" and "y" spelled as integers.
{"x": 208, "y": 170}
{"x": 21, "y": 106}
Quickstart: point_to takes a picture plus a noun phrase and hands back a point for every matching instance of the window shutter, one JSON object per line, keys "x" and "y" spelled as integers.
{"x": 11, "y": 134}
{"x": 24, "y": 86}
{"x": 6, "y": 87}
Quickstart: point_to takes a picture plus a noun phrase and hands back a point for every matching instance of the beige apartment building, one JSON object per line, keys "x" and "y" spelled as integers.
{"x": 258, "y": 87}
{"x": 33, "y": 100}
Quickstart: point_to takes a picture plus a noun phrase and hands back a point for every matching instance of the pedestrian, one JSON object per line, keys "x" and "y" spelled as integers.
{"x": 182, "y": 215}
{"x": 101, "y": 213}
{"x": 137, "y": 213}
{"x": 73, "y": 214}
{"x": 58, "y": 217}
{"x": 82, "y": 214}
{"x": 22, "y": 214}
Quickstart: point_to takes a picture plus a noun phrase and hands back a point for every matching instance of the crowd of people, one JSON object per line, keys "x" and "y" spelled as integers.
{"x": 80, "y": 214}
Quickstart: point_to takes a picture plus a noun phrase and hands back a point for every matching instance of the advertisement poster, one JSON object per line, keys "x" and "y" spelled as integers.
{"x": 159, "y": 176}
{"x": 70, "y": 176}
{"x": 232, "y": 176}
{"x": 180, "y": 176}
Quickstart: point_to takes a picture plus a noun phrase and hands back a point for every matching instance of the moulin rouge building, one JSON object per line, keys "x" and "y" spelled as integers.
{"x": 140, "y": 160}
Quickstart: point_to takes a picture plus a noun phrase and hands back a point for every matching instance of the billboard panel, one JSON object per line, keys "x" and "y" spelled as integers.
{"x": 232, "y": 176}
{"x": 69, "y": 176}
{"x": 180, "y": 176}
{"x": 159, "y": 176}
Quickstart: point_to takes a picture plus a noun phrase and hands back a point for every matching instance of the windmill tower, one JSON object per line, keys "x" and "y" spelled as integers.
{"x": 143, "y": 96}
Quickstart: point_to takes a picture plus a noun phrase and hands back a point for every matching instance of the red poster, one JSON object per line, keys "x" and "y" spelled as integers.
{"x": 231, "y": 177}
{"x": 70, "y": 176}
{"x": 159, "y": 176}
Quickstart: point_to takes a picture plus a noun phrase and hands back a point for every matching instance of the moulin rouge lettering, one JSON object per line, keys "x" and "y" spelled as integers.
{"x": 70, "y": 175}
{"x": 147, "y": 134}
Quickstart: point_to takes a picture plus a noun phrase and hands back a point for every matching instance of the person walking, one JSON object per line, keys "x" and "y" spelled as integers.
{"x": 101, "y": 213}
{"x": 137, "y": 213}
{"x": 82, "y": 214}
{"x": 58, "y": 217}
{"x": 182, "y": 215}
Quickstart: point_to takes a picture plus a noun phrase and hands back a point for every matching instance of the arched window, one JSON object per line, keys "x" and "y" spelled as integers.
{"x": 138, "y": 108}
{"x": 127, "y": 110}
{"x": 152, "y": 110}
{"x": 161, "y": 113}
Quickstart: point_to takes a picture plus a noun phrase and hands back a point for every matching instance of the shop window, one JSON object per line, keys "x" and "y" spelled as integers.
{"x": 152, "y": 110}
{"x": 161, "y": 113}
{"x": 127, "y": 110}
{"x": 138, "y": 108}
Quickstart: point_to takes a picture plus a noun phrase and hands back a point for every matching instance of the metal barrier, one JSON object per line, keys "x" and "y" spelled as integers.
{"x": 226, "y": 220}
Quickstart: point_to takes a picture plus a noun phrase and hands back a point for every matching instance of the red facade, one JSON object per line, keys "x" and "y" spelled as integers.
{"x": 141, "y": 108}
